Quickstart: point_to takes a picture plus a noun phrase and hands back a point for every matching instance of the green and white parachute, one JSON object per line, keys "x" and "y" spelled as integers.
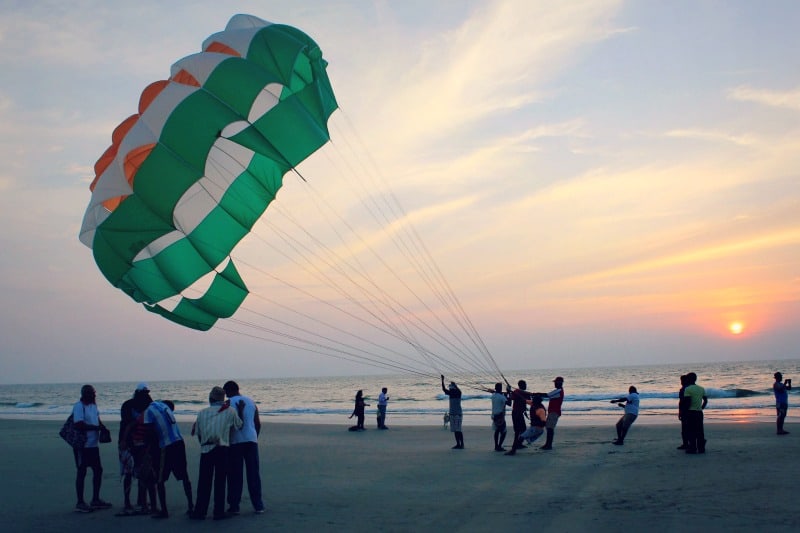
{"x": 187, "y": 177}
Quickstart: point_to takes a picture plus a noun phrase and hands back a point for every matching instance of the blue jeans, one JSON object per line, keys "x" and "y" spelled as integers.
{"x": 244, "y": 456}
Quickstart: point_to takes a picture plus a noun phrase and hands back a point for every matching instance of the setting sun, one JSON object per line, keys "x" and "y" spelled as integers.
{"x": 736, "y": 328}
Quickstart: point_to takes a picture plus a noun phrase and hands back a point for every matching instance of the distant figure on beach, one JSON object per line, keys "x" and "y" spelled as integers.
{"x": 556, "y": 398}
{"x": 358, "y": 412}
{"x": 631, "y": 405}
{"x": 682, "y": 414}
{"x": 781, "y": 390}
{"x": 129, "y": 412}
{"x": 456, "y": 414}
{"x": 244, "y": 451}
{"x": 519, "y": 407}
{"x": 383, "y": 401}
{"x": 86, "y": 418}
{"x": 499, "y": 402}
{"x": 169, "y": 457}
{"x": 213, "y": 427}
{"x": 538, "y": 420}
{"x": 694, "y": 401}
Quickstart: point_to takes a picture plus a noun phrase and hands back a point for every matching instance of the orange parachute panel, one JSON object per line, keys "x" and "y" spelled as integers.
{"x": 149, "y": 94}
{"x": 183, "y": 77}
{"x": 134, "y": 160}
{"x": 220, "y": 48}
{"x": 111, "y": 152}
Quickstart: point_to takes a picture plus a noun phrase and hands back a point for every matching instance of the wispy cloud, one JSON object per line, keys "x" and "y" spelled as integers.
{"x": 784, "y": 99}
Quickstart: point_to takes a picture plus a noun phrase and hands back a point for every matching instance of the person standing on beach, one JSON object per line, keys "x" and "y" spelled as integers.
{"x": 694, "y": 401}
{"x": 213, "y": 427}
{"x": 682, "y": 414}
{"x": 383, "y": 401}
{"x": 456, "y": 414}
{"x": 129, "y": 412}
{"x": 781, "y": 390}
{"x": 556, "y": 398}
{"x": 86, "y": 417}
{"x": 499, "y": 402}
{"x": 519, "y": 406}
{"x": 244, "y": 451}
{"x": 631, "y": 405}
{"x": 358, "y": 412}
{"x": 169, "y": 457}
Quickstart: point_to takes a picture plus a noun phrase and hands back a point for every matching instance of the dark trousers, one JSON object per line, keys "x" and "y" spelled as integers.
{"x": 88, "y": 458}
{"x": 695, "y": 436}
{"x": 244, "y": 456}
{"x": 213, "y": 468}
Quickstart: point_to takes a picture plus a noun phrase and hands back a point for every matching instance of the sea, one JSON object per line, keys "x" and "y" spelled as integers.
{"x": 737, "y": 392}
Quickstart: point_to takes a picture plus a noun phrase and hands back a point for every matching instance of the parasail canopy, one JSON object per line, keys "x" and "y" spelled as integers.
{"x": 188, "y": 175}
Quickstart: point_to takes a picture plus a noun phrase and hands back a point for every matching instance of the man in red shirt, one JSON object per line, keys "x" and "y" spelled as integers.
{"x": 556, "y": 398}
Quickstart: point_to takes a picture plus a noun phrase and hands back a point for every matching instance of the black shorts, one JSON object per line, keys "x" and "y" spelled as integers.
{"x": 172, "y": 460}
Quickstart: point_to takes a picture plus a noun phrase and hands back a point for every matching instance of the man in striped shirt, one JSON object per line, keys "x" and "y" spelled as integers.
{"x": 213, "y": 428}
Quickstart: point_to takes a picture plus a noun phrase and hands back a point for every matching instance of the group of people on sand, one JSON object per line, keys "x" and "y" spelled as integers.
{"x": 151, "y": 448}
{"x": 691, "y": 403}
{"x": 518, "y": 399}
{"x": 360, "y": 404}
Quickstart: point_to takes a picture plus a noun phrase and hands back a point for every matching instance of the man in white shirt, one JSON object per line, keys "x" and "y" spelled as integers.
{"x": 244, "y": 451}
{"x": 87, "y": 418}
{"x": 631, "y": 405}
{"x": 383, "y": 401}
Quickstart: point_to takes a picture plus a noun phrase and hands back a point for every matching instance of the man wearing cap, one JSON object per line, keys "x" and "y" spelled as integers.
{"x": 213, "y": 428}
{"x": 556, "y": 398}
{"x": 244, "y": 451}
{"x": 781, "y": 388}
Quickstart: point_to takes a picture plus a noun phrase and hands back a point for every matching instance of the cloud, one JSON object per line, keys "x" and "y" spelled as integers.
{"x": 783, "y": 99}
{"x": 713, "y": 136}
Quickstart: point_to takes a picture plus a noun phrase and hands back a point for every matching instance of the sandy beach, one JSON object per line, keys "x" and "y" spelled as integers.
{"x": 324, "y": 478}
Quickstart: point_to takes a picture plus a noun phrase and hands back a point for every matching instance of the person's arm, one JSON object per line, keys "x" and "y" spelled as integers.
{"x": 257, "y": 422}
{"x": 444, "y": 389}
{"x": 705, "y": 402}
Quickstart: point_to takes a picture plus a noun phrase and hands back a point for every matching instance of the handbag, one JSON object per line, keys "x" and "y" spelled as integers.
{"x": 105, "y": 435}
{"x": 72, "y": 435}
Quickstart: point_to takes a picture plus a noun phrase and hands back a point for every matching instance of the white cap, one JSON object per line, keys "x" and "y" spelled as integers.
{"x": 142, "y": 387}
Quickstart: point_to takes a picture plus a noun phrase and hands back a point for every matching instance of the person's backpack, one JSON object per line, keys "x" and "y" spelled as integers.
{"x": 72, "y": 435}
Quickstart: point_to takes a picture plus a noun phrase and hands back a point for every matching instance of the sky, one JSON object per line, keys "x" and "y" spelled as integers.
{"x": 601, "y": 182}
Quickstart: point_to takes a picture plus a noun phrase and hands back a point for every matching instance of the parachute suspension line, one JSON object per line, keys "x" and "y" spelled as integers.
{"x": 383, "y": 298}
{"x": 430, "y": 269}
{"x": 395, "y": 207}
{"x": 477, "y": 362}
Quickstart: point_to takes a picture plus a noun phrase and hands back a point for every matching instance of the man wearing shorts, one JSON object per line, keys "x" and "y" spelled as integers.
{"x": 170, "y": 455}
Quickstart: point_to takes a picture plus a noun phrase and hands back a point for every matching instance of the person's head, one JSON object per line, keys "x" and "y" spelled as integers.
{"x": 632, "y": 389}
{"x": 684, "y": 381}
{"x": 88, "y": 394}
{"x": 231, "y": 389}
{"x": 521, "y": 384}
{"x": 537, "y": 399}
{"x": 453, "y": 385}
{"x": 778, "y": 376}
{"x": 691, "y": 378}
{"x": 559, "y": 381}
{"x": 384, "y": 390}
{"x": 217, "y": 395}
{"x": 498, "y": 387}
{"x": 359, "y": 394}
